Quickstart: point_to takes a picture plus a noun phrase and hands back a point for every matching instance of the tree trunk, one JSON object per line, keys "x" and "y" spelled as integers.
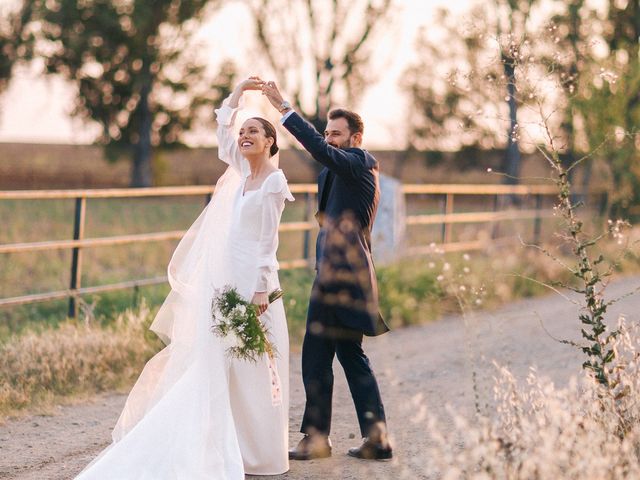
{"x": 512, "y": 157}
{"x": 141, "y": 174}
{"x": 511, "y": 165}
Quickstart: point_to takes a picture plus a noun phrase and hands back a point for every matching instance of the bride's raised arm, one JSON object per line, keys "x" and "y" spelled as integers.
{"x": 228, "y": 150}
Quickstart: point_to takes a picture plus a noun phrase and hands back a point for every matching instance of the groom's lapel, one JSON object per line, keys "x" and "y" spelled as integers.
{"x": 322, "y": 184}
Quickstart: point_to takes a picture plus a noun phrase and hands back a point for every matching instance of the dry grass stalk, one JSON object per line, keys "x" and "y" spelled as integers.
{"x": 73, "y": 359}
{"x": 586, "y": 431}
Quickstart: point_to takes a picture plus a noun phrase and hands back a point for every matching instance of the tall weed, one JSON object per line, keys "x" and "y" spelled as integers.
{"x": 74, "y": 358}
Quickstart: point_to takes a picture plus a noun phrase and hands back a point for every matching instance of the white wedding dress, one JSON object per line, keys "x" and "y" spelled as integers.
{"x": 194, "y": 413}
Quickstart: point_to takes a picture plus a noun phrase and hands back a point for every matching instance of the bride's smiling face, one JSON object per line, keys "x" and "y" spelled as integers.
{"x": 252, "y": 138}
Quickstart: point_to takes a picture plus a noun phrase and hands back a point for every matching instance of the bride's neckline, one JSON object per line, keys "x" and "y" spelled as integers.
{"x": 244, "y": 192}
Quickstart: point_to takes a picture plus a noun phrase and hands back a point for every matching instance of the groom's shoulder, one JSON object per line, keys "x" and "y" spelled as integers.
{"x": 367, "y": 158}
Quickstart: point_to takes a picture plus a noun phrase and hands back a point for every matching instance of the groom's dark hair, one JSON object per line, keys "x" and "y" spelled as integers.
{"x": 353, "y": 119}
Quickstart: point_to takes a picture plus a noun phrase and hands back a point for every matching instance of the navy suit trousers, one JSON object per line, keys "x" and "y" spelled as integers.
{"x": 319, "y": 348}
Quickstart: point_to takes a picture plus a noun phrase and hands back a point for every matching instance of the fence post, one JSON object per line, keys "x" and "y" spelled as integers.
{"x": 495, "y": 225}
{"x": 76, "y": 256}
{"x": 446, "y": 226}
{"x": 308, "y": 217}
{"x": 537, "y": 221}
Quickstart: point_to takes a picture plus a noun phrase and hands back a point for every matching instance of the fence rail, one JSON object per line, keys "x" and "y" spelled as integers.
{"x": 446, "y": 219}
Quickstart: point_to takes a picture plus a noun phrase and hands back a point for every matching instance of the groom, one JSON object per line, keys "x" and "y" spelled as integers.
{"x": 344, "y": 297}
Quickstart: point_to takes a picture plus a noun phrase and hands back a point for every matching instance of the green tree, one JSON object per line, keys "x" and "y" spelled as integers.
{"x": 447, "y": 95}
{"x": 614, "y": 92}
{"x": 567, "y": 34}
{"x": 463, "y": 87}
{"x": 320, "y": 50}
{"x": 135, "y": 70}
{"x": 15, "y": 40}
{"x": 596, "y": 52}
{"x": 590, "y": 55}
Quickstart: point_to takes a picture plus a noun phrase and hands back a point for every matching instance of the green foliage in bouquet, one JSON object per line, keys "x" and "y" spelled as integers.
{"x": 232, "y": 314}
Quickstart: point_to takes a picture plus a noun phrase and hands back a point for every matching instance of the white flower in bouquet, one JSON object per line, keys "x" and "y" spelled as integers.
{"x": 236, "y": 318}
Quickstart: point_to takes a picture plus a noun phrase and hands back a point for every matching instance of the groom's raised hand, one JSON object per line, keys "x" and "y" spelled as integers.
{"x": 270, "y": 90}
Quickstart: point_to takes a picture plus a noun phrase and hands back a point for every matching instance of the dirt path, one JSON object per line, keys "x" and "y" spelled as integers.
{"x": 429, "y": 365}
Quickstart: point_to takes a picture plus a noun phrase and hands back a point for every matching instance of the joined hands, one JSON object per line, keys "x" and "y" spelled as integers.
{"x": 269, "y": 89}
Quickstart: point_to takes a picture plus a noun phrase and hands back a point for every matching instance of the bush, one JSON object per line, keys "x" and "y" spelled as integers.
{"x": 409, "y": 293}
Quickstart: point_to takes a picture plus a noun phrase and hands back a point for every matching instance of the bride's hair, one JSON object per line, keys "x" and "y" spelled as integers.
{"x": 270, "y": 131}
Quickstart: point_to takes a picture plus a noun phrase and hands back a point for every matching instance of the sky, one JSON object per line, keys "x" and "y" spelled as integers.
{"x": 36, "y": 109}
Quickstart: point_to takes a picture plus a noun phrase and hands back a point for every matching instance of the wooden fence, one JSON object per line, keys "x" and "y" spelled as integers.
{"x": 445, "y": 219}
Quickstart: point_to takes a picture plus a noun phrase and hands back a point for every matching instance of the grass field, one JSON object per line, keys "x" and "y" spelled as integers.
{"x": 35, "y": 272}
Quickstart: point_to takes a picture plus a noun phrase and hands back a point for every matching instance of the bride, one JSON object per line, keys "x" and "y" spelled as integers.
{"x": 195, "y": 413}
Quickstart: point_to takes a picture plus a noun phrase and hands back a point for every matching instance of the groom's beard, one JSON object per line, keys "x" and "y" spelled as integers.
{"x": 342, "y": 146}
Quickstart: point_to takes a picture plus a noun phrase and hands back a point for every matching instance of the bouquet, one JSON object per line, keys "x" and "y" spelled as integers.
{"x": 232, "y": 314}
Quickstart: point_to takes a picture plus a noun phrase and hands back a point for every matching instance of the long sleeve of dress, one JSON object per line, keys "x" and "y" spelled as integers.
{"x": 228, "y": 150}
{"x": 276, "y": 192}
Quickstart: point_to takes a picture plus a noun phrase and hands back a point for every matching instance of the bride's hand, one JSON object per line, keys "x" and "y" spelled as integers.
{"x": 252, "y": 83}
{"x": 260, "y": 300}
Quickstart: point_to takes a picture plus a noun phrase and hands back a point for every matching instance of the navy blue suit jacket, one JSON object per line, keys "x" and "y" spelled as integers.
{"x": 345, "y": 292}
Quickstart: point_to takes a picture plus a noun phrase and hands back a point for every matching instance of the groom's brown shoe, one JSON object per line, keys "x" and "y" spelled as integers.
{"x": 374, "y": 447}
{"x": 311, "y": 447}
{"x": 370, "y": 450}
